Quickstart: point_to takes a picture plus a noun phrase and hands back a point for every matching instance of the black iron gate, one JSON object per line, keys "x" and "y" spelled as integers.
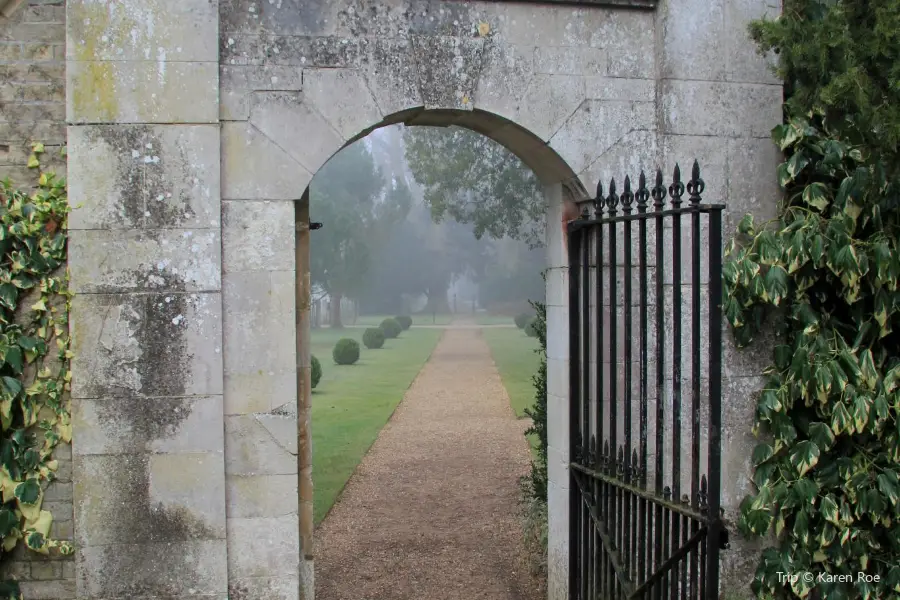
{"x": 645, "y": 399}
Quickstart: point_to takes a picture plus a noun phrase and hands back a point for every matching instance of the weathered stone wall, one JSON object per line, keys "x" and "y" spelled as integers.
{"x": 185, "y": 382}
{"x": 32, "y": 109}
{"x": 32, "y": 87}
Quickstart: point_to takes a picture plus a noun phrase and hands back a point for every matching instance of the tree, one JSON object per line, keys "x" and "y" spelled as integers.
{"x": 345, "y": 195}
{"x": 827, "y": 477}
{"x": 477, "y": 182}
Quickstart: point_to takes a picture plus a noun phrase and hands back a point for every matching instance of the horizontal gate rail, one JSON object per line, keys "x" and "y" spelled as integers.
{"x": 636, "y": 383}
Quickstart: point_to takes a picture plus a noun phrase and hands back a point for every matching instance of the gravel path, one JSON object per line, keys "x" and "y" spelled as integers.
{"x": 432, "y": 511}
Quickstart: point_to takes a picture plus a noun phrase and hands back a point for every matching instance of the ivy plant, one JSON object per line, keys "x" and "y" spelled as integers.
{"x": 34, "y": 358}
{"x": 825, "y": 275}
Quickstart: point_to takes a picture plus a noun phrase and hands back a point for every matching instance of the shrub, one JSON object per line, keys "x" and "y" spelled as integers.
{"x": 405, "y": 321}
{"x": 346, "y": 351}
{"x": 522, "y": 320}
{"x": 531, "y": 328}
{"x": 825, "y": 275}
{"x": 391, "y": 328}
{"x": 373, "y": 338}
{"x": 316, "y": 374}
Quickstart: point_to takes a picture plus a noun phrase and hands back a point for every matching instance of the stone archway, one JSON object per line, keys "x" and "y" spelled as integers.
{"x": 194, "y": 129}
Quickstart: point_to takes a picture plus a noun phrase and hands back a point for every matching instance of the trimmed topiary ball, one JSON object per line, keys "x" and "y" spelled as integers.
{"x": 346, "y": 351}
{"x": 522, "y": 320}
{"x": 530, "y": 329}
{"x": 405, "y": 321}
{"x": 316, "y": 374}
{"x": 391, "y": 328}
{"x": 373, "y": 338}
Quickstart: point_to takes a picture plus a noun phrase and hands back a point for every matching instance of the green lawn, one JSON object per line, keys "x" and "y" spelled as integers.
{"x": 516, "y": 359}
{"x": 420, "y": 319}
{"x": 352, "y": 403}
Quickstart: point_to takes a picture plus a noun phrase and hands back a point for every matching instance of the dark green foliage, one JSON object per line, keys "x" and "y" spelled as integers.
{"x": 346, "y": 351}
{"x": 827, "y": 273}
{"x": 522, "y": 320}
{"x": 405, "y": 321}
{"x": 391, "y": 328}
{"x": 373, "y": 338}
{"x": 537, "y": 481}
{"x": 531, "y": 327}
{"x": 316, "y": 371}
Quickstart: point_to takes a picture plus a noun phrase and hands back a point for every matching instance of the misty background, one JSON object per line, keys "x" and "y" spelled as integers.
{"x": 425, "y": 220}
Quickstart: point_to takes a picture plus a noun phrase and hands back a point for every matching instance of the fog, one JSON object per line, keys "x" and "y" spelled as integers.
{"x": 425, "y": 221}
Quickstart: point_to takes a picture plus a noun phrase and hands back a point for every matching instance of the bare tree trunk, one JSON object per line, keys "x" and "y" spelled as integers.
{"x": 336, "y": 312}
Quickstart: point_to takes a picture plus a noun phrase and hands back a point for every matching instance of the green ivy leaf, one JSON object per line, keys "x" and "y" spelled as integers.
{"x": 821, "y": 435}
{"x": 829, "y": 510}
{"x": 840, "y": 419}
{"x": 8, "y": 521}
{"x": 8, "y": 295}
{"x": 762, "y": 453}
{"x": 28, "y": 492}
{"x": 889, "y": 485}
{"x": 15, "y": 359}
{"x": 816, "y": 195}
{"x": 804, "y": 456}
{"x": 776, "y": 284}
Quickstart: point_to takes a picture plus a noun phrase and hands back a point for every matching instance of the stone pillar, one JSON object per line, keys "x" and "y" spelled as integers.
{"x": 304, "y": 397}
{"x": 146, "y": 321}
{"x": 719, "y": 103}
{"x": 557, "y": 398}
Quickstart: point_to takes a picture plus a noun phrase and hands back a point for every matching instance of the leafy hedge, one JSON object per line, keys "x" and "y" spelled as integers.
{"x": 827, "y": 274}
{"x": 391, "y": 328}
{"x": 373, "y": 338}
{"x": 405, "y": 321}
{"x": 346, "y": 351}
{"x": 34, "y": 382}
{"x": 315, "y": 371}
{"x": 537, "y": 480}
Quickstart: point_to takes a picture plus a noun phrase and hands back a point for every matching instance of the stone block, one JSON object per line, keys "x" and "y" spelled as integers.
{"x": 745, "y": 64}
{"x": 389, "y": 67}
{"x": 255, "y": 496}
{"x": 635, "y": 151}
{"x": 254, "y": 167}
{"x": 694, "y": 52}
{"x": 712, "y": 155}
{"x": 720, "y": 109}
{"x": 239, "y": 82}
{"x": 447, "y": 69}
{"x": 316, "y": 18}
{"x": 257, "y": 236}
{"x": 47, "y": 590}
{"x": 595, "y": 127}
{"x": 268, "y": 547}
{"x": 265, "y": 588}
{"x": 146, "y": 345}
{"x": 136, "y": 176}
{"x": 567, "y": 60}
{"x": 110, "y": 261}
{"x": 627, "y": 35}
{"x": 180, "y": 570}
{"x": 342, "y": 98}
{"x": 260, "y": 342}
{"x": 142, "y": 92}
{"x": 504, "y": 78}
{"x": 286, "y": 118}
{"x": 752, "y": 181}
{"x": 148, "y": 425}
{"x": 250, "y": 448}
{"x": 620, "y": 88}
{"x": 149, "y": 498}
{"x": 155, "y": 30}
{"x": 547, "y": 105}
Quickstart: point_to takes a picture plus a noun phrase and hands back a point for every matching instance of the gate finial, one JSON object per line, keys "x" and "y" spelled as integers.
{"x": 659, "y": 192}
{"x": 642, "y": 194}
{"x": 695, "y": 186}
{"x": 627, "y": 196}
{"x": 598, "y": 201}
{"x": 676, "y": 190}
{"x": 612, "y": 201}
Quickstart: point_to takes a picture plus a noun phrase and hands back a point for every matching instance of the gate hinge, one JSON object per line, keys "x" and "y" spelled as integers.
{"x": 723, "y": 539}
{"x": 314, "y": 225}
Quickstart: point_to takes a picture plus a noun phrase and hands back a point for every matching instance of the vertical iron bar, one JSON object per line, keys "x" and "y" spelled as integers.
{"x": 600, "y": 565}
{"x": 676, "y": 190}
{"x": 627, "y": 200}
{"x": 574, "y": 427}
{"x": 695, "y": 188}
{"x": 659, "y": 193}
{"x": 587, "y": 526}
{"x": 612, "y": 202}
{"x": 643, "y": 522}
{"x": 715, "y": 397}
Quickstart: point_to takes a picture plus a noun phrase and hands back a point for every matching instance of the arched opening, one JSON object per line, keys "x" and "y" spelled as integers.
{"x": 552, "y": 175}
